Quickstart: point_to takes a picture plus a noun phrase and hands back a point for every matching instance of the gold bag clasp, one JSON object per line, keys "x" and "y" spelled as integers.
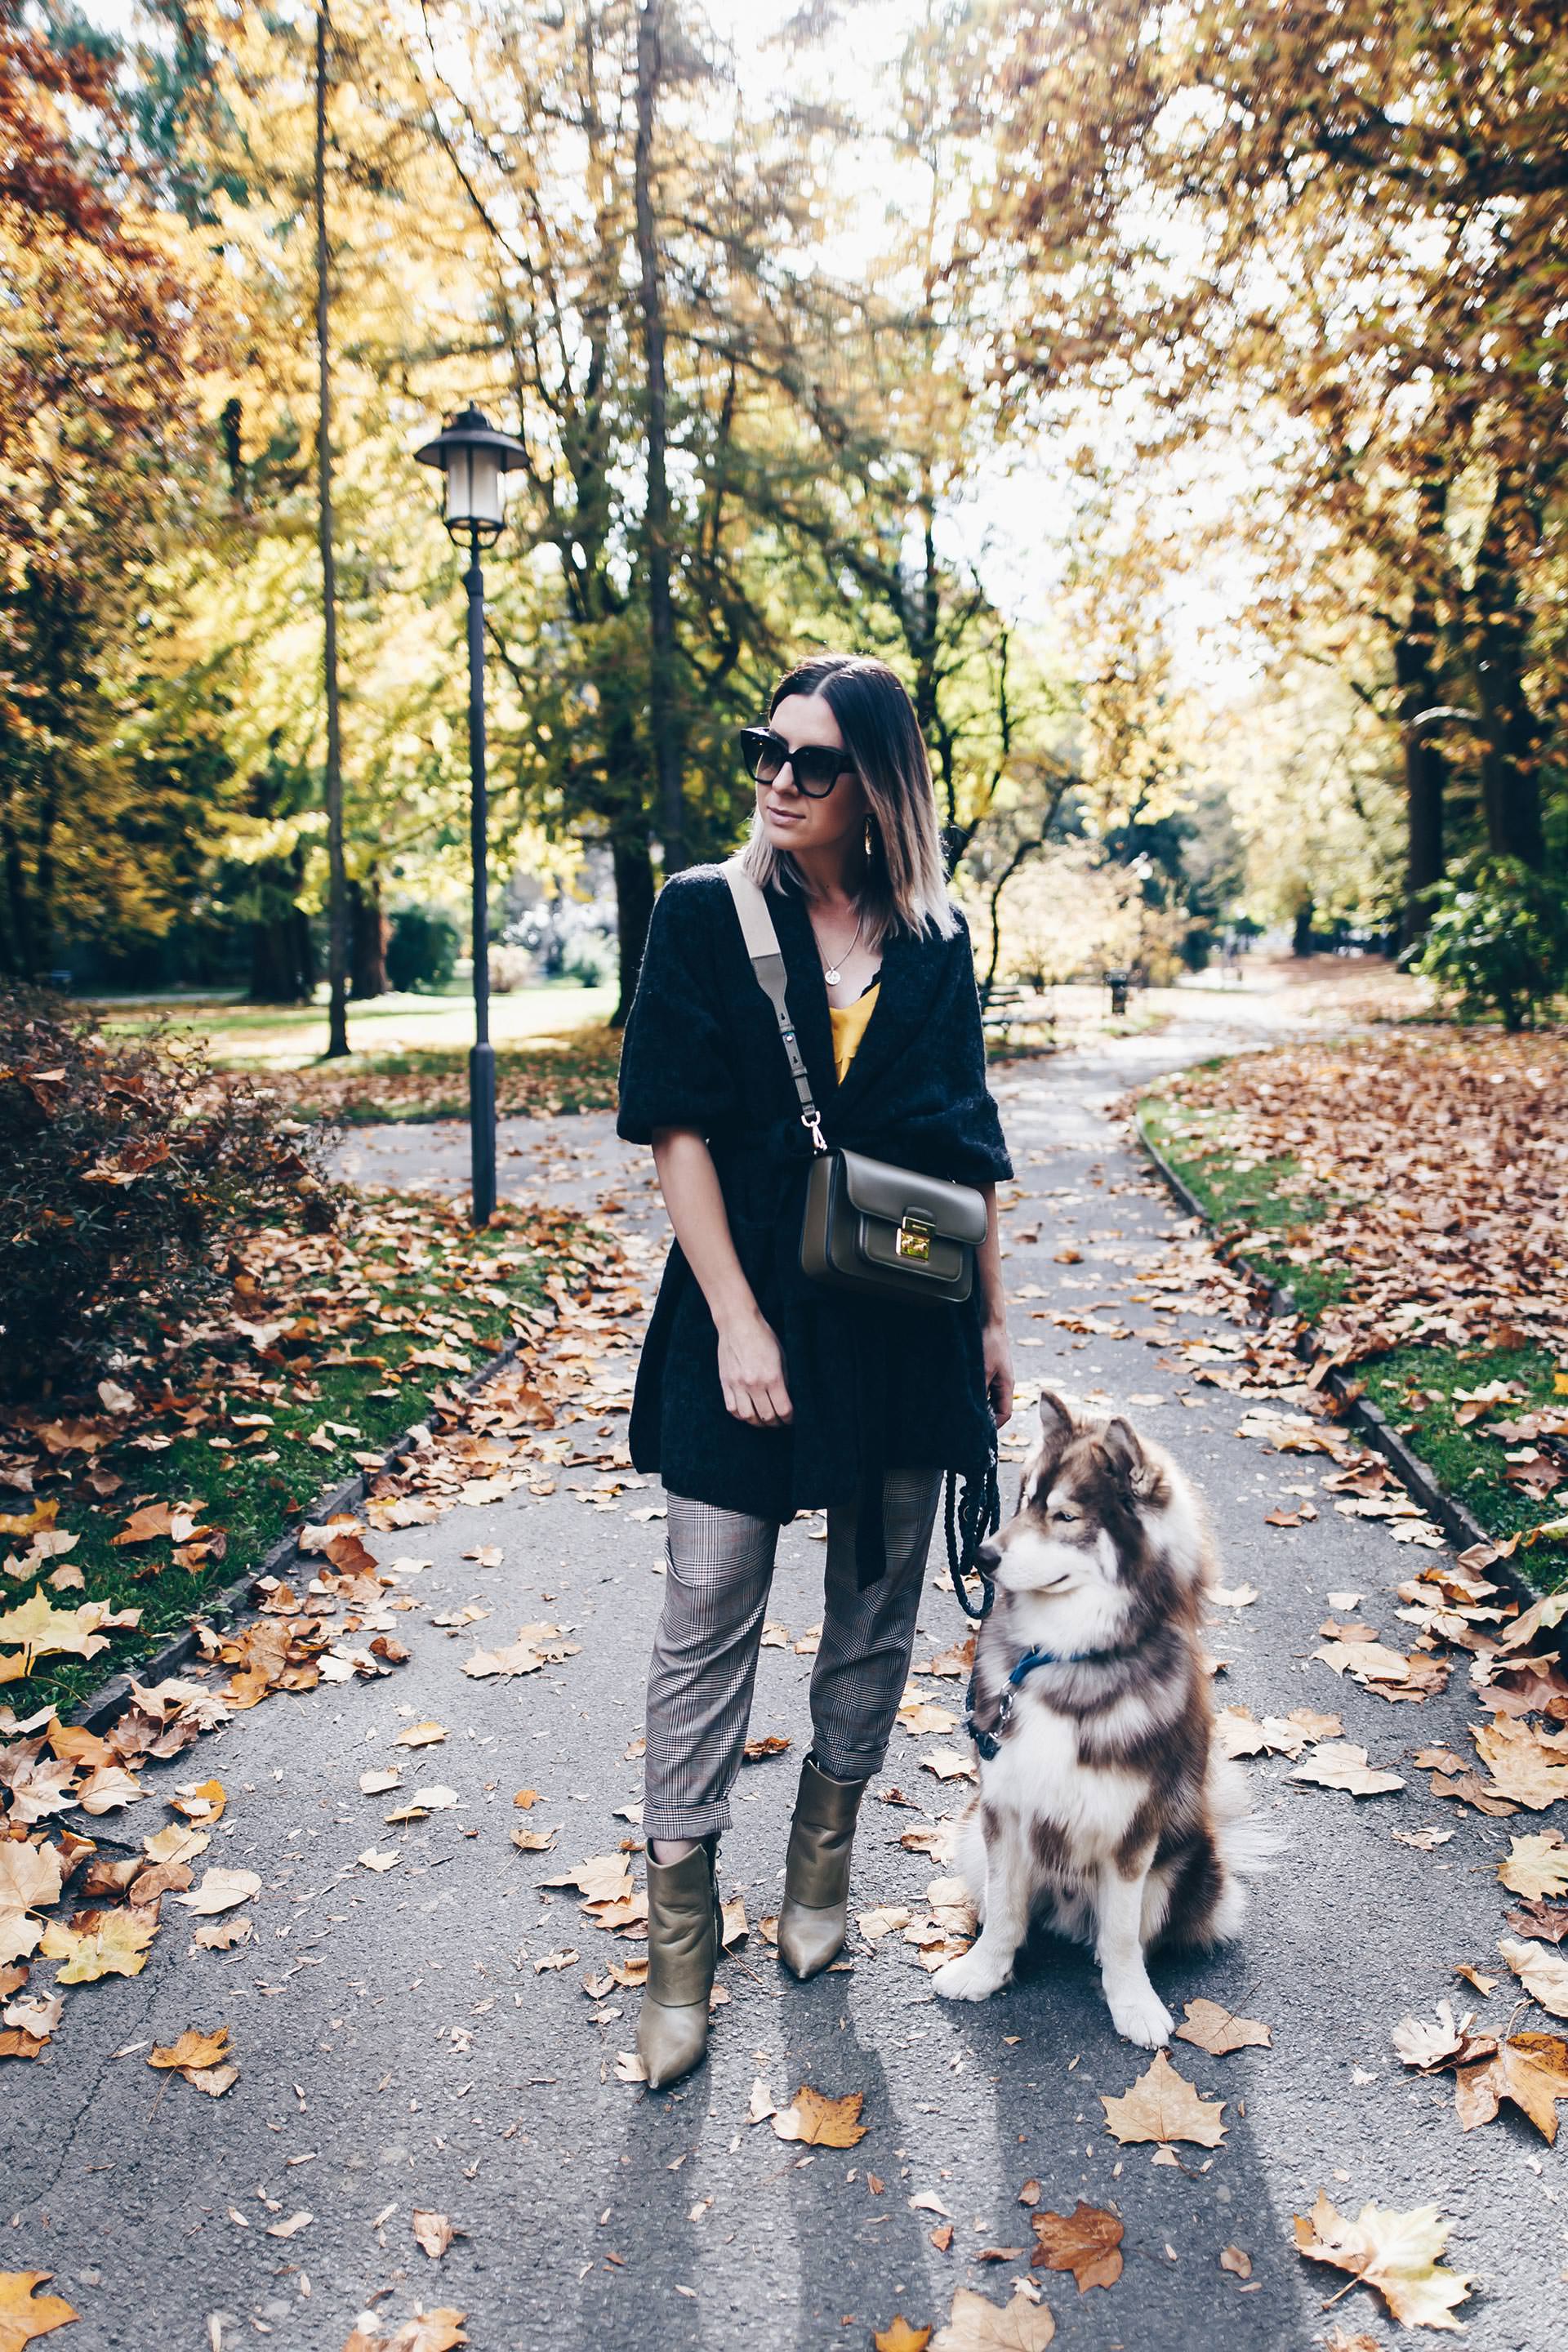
{"x": 913, "y": 1239}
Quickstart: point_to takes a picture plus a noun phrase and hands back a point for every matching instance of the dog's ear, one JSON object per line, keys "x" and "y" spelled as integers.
{"x": 1119, "y": 1444}
{"x": 1056, "y": 1423}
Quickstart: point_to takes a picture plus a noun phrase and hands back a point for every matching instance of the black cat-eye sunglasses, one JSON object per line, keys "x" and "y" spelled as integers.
{"x": 816, "y": 767}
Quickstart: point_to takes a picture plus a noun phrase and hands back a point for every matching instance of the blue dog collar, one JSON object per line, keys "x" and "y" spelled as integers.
{"x": 989, "y": 1743}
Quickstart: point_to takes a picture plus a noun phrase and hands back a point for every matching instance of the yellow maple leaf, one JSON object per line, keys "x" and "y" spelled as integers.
{"x": 902, "y": 2338}
{"x": 1397, "y": 2253}
{"x": 25, "y": 2314}
{"x": 820, "y": 2122}
{"x": 193, "y": 2048}
{"x": 99, "y": 1944}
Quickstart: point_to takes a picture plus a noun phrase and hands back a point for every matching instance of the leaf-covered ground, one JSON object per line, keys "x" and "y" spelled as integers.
{"x": 182, "y": 1470}
{"x": 392, "y": 1933}
{"x": 1411, "y": 1189}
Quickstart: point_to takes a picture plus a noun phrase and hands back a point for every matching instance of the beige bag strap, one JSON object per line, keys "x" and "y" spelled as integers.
{"x": 767, "y": 962}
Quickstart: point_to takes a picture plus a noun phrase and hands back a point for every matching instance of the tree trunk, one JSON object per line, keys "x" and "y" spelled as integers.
{"x": 337, "y": 894}
{"x": 1510, "y": 739}
{"x": 1301, "y": 929}
{"x": 1424, "y": 766}
{"x": 633, "y": 912}
{"x": 19, "y": 960}
{"x": 663, "y": 720}
{"x": 367, "y": 939}
{"x": 282, "y": 959}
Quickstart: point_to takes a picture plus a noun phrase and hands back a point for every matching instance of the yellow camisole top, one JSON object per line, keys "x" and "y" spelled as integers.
{"x": 849, "y": 1026}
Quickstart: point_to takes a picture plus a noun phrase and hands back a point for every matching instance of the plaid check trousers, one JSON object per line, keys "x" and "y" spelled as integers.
{"x": 719, "y": 1568}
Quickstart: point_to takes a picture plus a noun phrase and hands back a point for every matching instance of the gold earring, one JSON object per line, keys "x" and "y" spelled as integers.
{"x": 869, "y": 837}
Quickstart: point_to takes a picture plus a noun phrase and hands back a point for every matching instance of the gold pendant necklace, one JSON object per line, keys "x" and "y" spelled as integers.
{"x": 832, "y": 972}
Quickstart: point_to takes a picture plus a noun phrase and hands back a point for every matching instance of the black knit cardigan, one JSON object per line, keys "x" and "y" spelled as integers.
{"x": 875, "y": 1385}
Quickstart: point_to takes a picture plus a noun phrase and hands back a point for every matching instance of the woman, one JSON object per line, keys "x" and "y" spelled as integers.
{"x": 760, "y": 1393}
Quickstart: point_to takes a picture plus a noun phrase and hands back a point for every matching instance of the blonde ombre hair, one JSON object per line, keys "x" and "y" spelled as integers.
{"x": 906, "y": 884}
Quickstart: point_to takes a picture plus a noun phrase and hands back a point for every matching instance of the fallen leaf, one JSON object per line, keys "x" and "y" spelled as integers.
{"x": 420, "y": 1735}
{"x": 1339, "y": 1764}
{"x": 36, "y": 1631}
{"x": 1086, "y": 2241}
{"x": 432, "y": 2231}
{"x": 875, "y": 1924}
{"x": 1232, "y": 2258}
{"x": 220, "y": 1890}
{"x": 1543, "y": 1973}
{"x": 1213, "y": 2028}
{"x": 379, "y": 1779}
{"x": 202, "y": 1801}
{"x": 820, "y": 2122}
{"x": 948, "y": 1765}
{"x": 526, "y": 1799}
{"x": 629, "y": 2067}
{"x": 1164, "y": 2106}
{"x": 1423, "y": 2043}
{"x": 1397, "y": 2253}
{"x": 1521, "y": 1768}
{"x": 1531, "y": 2070}
{"x": 902, "y": 2338}
{"x": 221, "y": 1934}
{"x": 25, "y": 2314}
{"x": 1483, "y": 1985}
{"x": 757, "y": 1751}
{"x": 1548, "y": 1921}
{"x": 428, "y": 2331}
{"x": 193, "y": 2048}
{"x": 1239, "y": 1596}
{"x": 31, "y": 1879}
{"x": 36, "y": 2016}
{"x": 175, "y": 1844}
{"x": 977, "y": 2325}
{"x": 562, "y": 1959}
{"x": 100, "y": 1944}
{"x": 1536, "y": 1866}
{"x": 291, "y": 2227}
{"x": 372, "y": 1859}
{"x": 760, "y": 2105}
{"x": 108, "y": 1788}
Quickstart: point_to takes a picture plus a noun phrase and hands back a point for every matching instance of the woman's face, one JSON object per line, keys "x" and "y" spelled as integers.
{"x": 789, "y": 819}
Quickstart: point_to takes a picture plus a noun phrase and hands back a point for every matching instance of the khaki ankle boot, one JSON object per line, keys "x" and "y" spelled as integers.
{"x": 814, "y": 1914}
{"x": 683, "y": 1942}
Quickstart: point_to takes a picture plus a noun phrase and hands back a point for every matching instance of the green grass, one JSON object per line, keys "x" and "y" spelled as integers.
{"x": 420, "y": 1256}
{"x": 1258, "y": 1207}
{"x": 1413, "y": 1387}
{"x": 294, "y": 1035}
{"x": 1266, "y": 1200}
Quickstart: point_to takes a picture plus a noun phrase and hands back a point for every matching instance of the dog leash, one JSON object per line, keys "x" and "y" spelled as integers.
{"x": 989, "y": 1743}
{"x": 971, "y": 1518}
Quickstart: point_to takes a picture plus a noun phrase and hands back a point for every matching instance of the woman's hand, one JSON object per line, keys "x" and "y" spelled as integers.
{"x": 752, "y": 1373}
{"x": 996, "y": 1354}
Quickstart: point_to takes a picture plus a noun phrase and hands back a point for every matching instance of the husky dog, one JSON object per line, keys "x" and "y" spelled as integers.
{"x": 1102, "y": 1802}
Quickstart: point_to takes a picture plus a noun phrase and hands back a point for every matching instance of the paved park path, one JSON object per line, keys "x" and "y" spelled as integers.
{"x": 400, "y": 2049}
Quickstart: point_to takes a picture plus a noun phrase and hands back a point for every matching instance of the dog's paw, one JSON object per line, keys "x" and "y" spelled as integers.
{"x": 1139, "y": 2015}
{"x": 971, "y": 1977}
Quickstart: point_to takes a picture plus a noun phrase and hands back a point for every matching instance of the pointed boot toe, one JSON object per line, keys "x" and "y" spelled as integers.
{"x": 683, "y": 1929}
{"x": 670, "y": 2042}
{"x": 809, "y": 1938}
{"x": 814, "y": 1917}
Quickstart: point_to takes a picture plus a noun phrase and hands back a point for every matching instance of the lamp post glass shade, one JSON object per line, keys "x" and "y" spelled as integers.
{"x": 473, "y": 455}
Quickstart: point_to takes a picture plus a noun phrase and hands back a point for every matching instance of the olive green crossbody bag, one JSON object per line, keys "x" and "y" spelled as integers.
{"x": 868, "y": 1226}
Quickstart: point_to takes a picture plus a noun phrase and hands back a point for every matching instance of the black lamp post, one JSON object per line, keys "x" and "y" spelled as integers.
{"x": 473, "y": 455}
